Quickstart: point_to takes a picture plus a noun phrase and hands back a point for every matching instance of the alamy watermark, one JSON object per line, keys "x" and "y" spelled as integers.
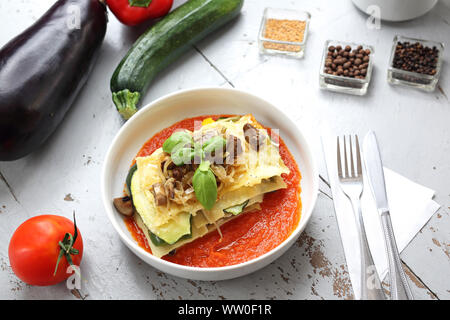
{"x": 373, "y": 22}
{"x": 74, "y": 280}
{"x": 74, "y": 17}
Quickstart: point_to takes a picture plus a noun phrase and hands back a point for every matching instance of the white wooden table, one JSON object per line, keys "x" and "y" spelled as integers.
{"x": 413, "y": 128}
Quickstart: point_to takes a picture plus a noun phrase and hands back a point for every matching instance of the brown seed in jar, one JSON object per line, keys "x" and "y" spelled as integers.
{"x": 359, "y": 55}
{"x": 331, "y": 48}
{"x": 338, "y": 48}
{"x": 347, "y": 65}
{"x": 358, "y": 62}
{"x": 366, "y": 59}
{"x": 348, "y": 48}
{"x": 368, "y": 51}
{"x": 363, "y": 72}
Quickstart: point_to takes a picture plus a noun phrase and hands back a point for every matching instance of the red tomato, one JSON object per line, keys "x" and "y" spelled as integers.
{"x": 34, "y": 250}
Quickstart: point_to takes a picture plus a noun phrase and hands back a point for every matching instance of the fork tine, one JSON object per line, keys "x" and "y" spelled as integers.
{"x": 352, "y": 165}
{"x": 345, "y": 158}
{"x": 339, "y": 164}
{"x": 358, "y": 157}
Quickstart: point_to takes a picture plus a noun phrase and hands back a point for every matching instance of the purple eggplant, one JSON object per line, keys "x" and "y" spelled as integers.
{"x": 42, "y": 71}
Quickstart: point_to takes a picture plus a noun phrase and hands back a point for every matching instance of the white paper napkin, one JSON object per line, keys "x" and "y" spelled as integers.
{"x": 411, "y": 206}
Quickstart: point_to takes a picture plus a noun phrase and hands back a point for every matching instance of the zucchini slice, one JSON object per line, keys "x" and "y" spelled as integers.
{"x": 235, "y": 210}
{"x": 129, "y": 177}
{"x": 176, "y": 230}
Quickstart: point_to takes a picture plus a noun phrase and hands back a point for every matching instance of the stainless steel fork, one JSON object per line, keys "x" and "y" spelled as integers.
{"x": 351, "y": 183}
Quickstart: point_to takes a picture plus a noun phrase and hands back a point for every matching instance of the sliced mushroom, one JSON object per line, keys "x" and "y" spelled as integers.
{"x": 124, "y": 206}
{"x": 159, "y": 193}
{"x": 253, "y": 137}
{"x": 233, "y": 149}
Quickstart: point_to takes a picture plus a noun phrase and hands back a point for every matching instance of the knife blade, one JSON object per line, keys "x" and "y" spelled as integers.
{"x": 400, "y": 289}
{"x": 374, "y": 168}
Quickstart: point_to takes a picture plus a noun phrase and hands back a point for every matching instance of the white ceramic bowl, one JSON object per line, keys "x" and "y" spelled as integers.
{"x": 167, "y": 110}
{"x": 397, "y": 10}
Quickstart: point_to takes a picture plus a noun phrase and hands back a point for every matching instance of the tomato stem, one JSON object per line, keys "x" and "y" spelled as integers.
{"x": 66, "y": 246}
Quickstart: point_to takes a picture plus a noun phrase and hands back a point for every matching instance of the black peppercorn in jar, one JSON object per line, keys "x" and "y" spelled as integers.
{"x": 415, "y": 63}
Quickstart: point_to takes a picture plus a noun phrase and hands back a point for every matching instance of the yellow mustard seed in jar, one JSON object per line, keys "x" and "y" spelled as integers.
{"x": 284, "y": 30}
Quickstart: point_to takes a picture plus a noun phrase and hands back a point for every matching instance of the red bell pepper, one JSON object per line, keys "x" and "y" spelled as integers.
{"x": 133, "y": 12}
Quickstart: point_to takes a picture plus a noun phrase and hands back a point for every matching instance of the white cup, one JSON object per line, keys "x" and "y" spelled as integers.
{"x": 397, "y": 10}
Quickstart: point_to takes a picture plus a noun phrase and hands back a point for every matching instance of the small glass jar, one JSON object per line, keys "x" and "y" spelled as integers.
{"x": 342, "y": 83}
{"x": 283, "y": 48}
{"x": 421, "y": 81}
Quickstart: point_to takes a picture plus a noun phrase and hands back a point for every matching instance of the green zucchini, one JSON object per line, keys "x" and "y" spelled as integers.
{"x": 129, "y": 177}
{"x": 163, "y": 43}
{"x": 174, "y": 231}
{"x": 235, "y": 210}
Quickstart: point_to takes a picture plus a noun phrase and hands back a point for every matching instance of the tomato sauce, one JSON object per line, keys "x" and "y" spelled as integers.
{"x": 246, "y": 237}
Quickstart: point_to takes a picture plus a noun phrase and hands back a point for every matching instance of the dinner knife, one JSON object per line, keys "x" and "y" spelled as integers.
{"x": 399, "y": 286}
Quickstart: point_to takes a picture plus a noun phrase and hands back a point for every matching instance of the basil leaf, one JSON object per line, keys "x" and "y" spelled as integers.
{"x": 198, "y": 153}
{"x": 177, "y": 140}
{"x": 205, "y": 185}
{"x": 139, "y": 3}
{"x": 214, "y": 144}
{"x": 204, "y": 166}
{"x": 214, "y": 149}
{"x": 182, "y": 156}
